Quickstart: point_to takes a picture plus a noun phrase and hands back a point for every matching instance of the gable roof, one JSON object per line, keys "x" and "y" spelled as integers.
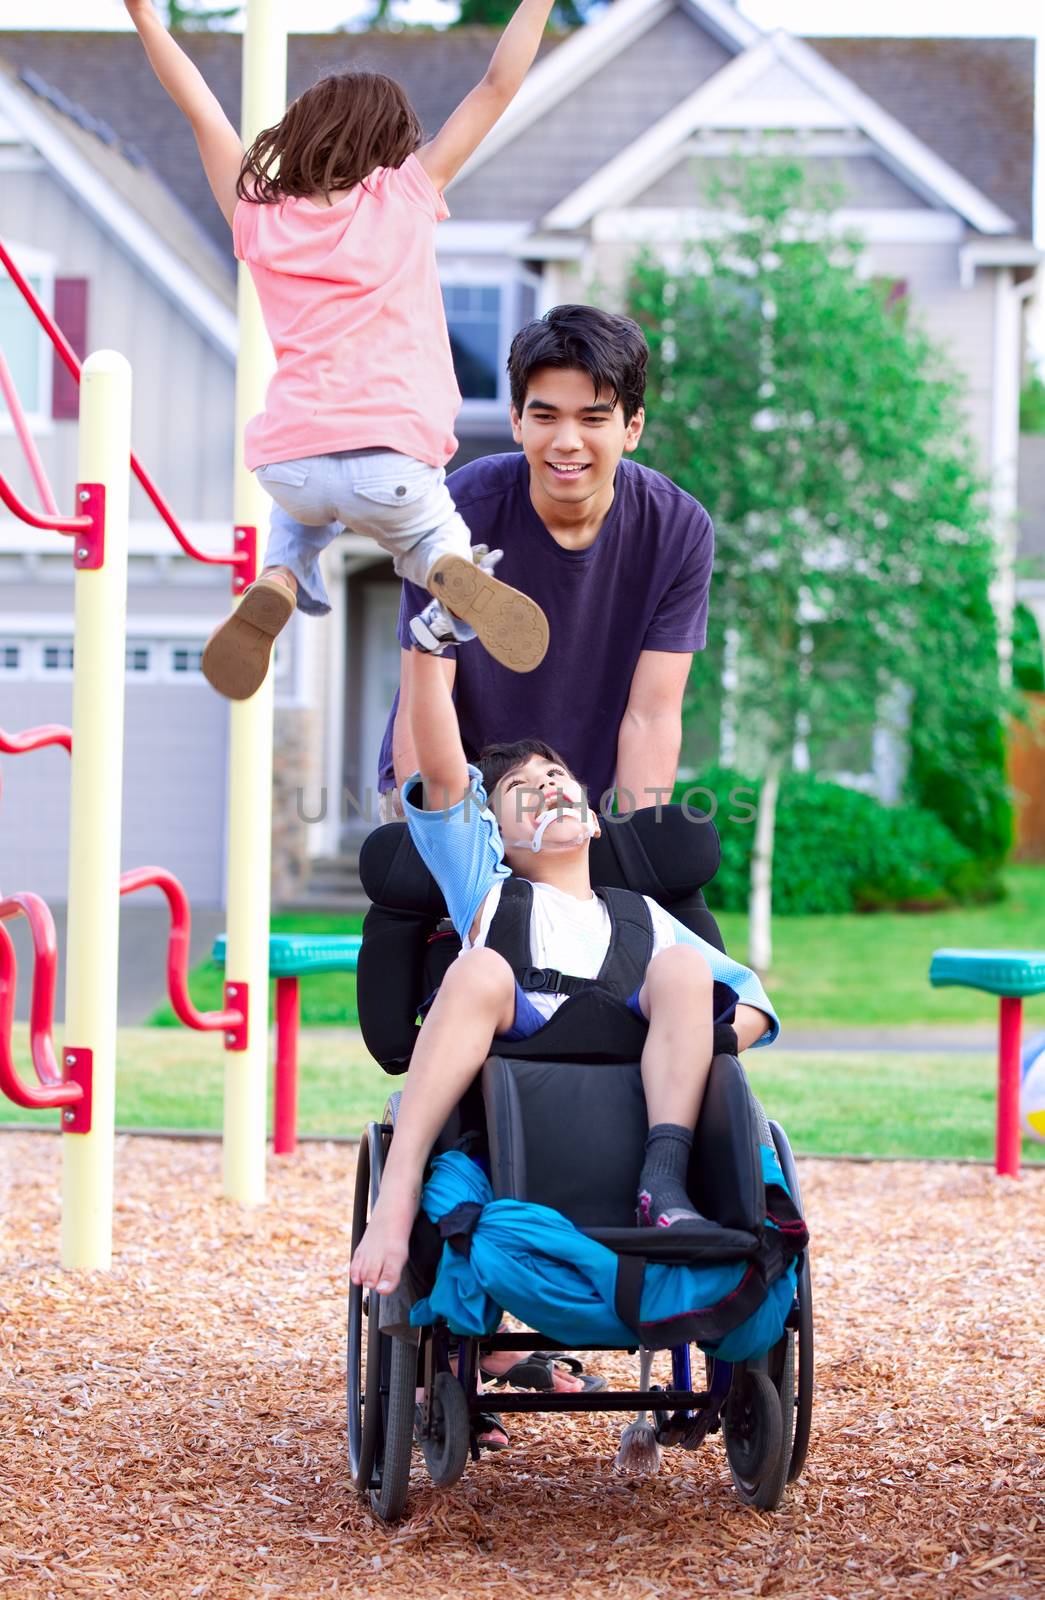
{"x": 970, "y": 101}
{"x": 805, "y": 90}
{"x": 128, "y": 201}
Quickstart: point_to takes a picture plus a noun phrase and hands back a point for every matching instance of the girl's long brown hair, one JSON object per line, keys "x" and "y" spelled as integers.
{"x": 331, "y": 137}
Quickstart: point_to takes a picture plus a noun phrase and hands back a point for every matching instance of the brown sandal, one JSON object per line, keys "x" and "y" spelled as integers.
{"x": 237, "y": 654}
{"x": 511, "y": 626}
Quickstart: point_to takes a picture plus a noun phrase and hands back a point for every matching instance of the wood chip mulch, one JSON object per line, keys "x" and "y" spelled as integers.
{"x": 176, "y": 1428}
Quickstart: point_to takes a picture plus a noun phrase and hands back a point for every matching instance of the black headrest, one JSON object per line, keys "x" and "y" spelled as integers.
{"x": 664, "y": 852}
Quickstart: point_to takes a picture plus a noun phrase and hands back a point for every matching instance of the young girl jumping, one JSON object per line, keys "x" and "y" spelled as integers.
{"x": 334, "y": 210}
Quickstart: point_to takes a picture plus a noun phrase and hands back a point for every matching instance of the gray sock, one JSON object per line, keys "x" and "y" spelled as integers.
{"x": 662, "y": 1183}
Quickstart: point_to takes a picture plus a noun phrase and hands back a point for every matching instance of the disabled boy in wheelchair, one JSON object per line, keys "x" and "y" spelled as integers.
{"x": 526, "y": 855}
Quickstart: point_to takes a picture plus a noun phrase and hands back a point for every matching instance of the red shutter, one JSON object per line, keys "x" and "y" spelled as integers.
{"x": 70, "y": 313}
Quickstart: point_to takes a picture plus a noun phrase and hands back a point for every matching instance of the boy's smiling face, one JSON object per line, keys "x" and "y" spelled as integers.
{"x": 529, "y": 792}
{"x": 572, "y": 438}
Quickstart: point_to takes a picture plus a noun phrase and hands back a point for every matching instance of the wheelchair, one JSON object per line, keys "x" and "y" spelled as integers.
{"x": 559, "y": 1120}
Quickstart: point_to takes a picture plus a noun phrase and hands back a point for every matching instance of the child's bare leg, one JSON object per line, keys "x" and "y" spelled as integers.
{"x": 677, "y": 999}
{"x": 476, "y": 1001}
{"x": 283, "y": 574}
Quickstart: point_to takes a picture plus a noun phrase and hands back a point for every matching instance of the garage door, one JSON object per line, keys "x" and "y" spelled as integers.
{"x": 175, "y": 747}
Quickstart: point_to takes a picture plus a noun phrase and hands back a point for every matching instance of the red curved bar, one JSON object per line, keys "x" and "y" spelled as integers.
{"x": 39, "y": 519}
{"x": 67, "y": 355}
{"x": 19, "y": 744}
{"x": 178, "y": 950}
{"x": 54, "y": 1092}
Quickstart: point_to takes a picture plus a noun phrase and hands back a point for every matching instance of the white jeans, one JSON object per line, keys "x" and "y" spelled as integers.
{"x": 402, "y": 504}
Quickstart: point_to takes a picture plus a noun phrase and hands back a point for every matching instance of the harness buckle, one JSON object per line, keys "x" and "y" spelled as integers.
{"x": 535, "y": 979}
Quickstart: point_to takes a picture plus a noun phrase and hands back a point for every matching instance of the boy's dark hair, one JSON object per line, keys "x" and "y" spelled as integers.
{"x": 497, "y": 759}
{"x": 612, "y": 350}
{"x": 331, "y": 137}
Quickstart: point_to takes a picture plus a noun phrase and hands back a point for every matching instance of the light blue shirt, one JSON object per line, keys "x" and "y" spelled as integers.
{"x": 462, "y": 848}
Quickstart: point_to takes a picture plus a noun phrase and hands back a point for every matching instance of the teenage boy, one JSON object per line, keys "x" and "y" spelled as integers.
{"x": 617, "y": 555}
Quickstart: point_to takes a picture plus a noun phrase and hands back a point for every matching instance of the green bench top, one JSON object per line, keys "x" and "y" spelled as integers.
{"x": 293, "y": 955}
{"x": 1016, "y": 973}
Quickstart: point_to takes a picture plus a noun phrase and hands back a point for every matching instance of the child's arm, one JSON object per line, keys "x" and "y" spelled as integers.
{"x": 432, "y": 721}
{"x": 219, "y": 144}
{"x": 750, "y": 1025}
{"x": 467, "y": 127}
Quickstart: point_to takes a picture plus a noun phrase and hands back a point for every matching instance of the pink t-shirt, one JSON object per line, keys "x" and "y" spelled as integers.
{"x": 351, "y": 300}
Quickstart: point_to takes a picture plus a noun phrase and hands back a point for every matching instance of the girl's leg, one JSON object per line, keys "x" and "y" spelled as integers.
{"x": 475, "y": 1001}
{"x": 676, "y": 998}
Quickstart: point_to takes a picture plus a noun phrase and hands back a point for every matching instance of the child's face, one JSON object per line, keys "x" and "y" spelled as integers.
{"x": 528, "y": 793}
{"x": 572, "y": 438}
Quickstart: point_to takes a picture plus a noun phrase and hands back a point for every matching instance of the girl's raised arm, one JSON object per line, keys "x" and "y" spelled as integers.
{"x": 219, "y": 144}
{"x": 466, "y": 128}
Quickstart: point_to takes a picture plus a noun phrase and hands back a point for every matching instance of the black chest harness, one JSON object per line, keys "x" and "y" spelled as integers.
{"x": 624, "y": 967}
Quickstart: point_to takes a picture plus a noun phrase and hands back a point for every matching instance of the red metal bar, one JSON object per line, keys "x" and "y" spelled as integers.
{"x": 285, "y": 1095}
{"x": 178, "y": 952}
{"x": 239, "y": 559}
{"x": 54, "y": 1091}
{"x": 19, "y": 744}
{"x": 1007, "y": 1148}
{"x": 25, "y": 438}
{"x": 39, "y": 519}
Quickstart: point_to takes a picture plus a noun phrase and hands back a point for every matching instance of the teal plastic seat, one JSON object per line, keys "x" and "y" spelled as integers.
{"x": 295, "y": 955}
{"x": 1014, "y": 973}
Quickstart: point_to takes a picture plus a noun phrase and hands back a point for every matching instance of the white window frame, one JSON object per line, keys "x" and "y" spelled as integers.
{"x": 45, "y": 674}
{"x": 507, "y": 277}
{"x": 23, "y": 646}
{"x": 149, "y": 674}
{"x": 169, "y": 672}
{"x": 36, "y": 264}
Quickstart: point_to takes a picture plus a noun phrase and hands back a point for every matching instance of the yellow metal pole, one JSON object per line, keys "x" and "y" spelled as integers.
{"x": 95, "y": 807}
{"x": 250, "y": 740}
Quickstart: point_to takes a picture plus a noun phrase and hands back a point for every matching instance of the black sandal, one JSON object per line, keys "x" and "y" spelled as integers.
{"x": 537, "y": 1371}
{"x": 486, "y": 1423}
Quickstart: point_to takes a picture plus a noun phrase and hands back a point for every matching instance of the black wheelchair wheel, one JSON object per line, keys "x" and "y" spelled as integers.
{"x": 381, "y": 1382}
{"x": 445, "y": 1446}
{"x": 804, "y": 1328}
{"x": 753, "y": 1430}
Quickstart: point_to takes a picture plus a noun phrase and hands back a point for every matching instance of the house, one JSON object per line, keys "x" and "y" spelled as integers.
{"x": 106, "y": 207}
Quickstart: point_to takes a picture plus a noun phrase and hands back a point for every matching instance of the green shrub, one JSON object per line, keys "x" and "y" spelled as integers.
{"x": 836, "y": 849}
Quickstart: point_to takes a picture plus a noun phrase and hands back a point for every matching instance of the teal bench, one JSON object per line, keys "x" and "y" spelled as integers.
{"x": 1012, "y": 975}
{"x": 293, "y": 956}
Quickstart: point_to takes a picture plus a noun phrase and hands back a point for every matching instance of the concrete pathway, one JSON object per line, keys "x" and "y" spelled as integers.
{"x": 143, "y": 958}
{"x": 970, "y": 1039}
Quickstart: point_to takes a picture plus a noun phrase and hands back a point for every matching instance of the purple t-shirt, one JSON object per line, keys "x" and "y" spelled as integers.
{"x": 642, "y": 585}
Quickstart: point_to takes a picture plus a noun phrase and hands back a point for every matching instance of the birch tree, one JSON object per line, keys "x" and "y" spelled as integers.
{"x": 800, "y": 401}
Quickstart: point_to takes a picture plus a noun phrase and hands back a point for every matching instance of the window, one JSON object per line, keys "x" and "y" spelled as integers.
{"x": 473, "y": 316}
{"x": 483, "y": 315}
{"x": 186, "y": 659}
{"x": 12, "y": 660}
{"x": 57, "y": 658}
{"x": 23, "y": 341}
{"x": 138, "y": 658}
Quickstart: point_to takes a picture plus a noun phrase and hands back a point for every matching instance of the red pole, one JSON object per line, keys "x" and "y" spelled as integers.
{"x": 285, "y": 1098}
{"x": 1007, "y": 1153}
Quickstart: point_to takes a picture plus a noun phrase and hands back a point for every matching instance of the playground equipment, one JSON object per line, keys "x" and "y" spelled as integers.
{"x": 86, "y": 1088}
{"x": 1032, "y": 1087}
{"x": 292, "y": 956}
{"x": 1010, "y": 974}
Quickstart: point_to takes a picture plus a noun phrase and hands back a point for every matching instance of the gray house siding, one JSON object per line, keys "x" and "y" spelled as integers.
{"x": 862, "y": 181}
{"x": 601, "y": 117}
{"x": 183, "y": 388}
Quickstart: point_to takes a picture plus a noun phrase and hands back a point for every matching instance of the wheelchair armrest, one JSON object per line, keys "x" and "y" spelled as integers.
{"x": 726, "y": 1169}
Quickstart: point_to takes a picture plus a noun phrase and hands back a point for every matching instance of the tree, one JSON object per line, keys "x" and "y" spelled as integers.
{"x": 797, "y": 398}
{"x": 490, "y": 14}
{"x": 197, "y": 16}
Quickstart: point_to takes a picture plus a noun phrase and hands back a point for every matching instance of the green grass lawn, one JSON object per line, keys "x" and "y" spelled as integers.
{"x": 859, "y": 1104}
{"x": 847, "y": 970}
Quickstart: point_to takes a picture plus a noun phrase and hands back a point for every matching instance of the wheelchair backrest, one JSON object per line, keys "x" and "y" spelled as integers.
{"x": 666, "y": 852}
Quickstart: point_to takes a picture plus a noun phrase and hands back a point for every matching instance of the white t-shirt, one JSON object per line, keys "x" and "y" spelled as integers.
{"x": 568, "y": 935}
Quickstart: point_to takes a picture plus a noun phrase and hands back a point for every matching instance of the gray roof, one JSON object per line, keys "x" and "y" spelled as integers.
{"x": 971, "y": 100}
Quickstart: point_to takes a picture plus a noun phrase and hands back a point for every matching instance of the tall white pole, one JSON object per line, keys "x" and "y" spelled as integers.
{"x": 250, "y": 740}
{"x": 93, "y": 931}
